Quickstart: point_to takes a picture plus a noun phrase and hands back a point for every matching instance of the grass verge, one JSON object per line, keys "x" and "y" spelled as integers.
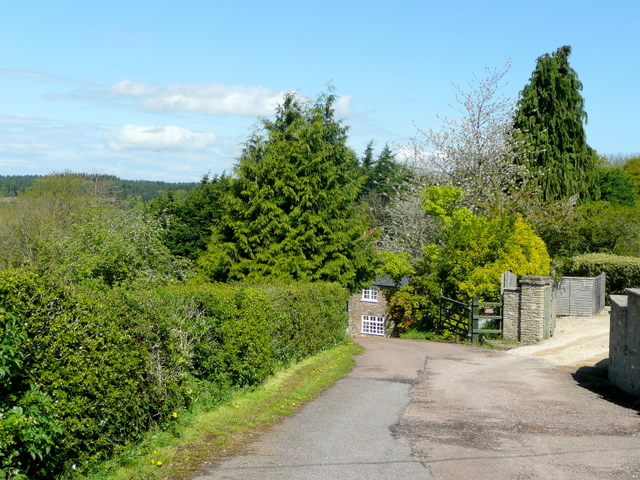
{"x": 196, "y": 440}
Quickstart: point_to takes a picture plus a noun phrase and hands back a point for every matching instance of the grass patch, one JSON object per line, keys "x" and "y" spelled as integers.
{"x": 417, "y": 334}
{"x": 499, "y": 343}
{"x": 195, "y": 440}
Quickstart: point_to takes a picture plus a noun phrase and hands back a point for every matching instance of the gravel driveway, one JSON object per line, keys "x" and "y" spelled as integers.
{"x": 414, "y": 409}
{"x": 577, "y": 342}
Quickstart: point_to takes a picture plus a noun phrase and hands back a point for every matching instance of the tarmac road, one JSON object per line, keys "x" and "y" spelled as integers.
{"x": 346, "y": 432}
{"x": 414, "y": 409}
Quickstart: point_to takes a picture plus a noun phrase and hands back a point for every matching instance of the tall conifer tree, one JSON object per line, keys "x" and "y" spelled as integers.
{"x": 550, "y": 116}
{"x": 290, "y": 213}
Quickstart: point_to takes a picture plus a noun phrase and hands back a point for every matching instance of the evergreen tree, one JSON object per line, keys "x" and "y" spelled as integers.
{"x": 290, "y": 213}
{"x": 550, "y": 116}
{"x": 187, "y": 223}
{"x": 367, "y": 159}
{"x": 384, "y": 175}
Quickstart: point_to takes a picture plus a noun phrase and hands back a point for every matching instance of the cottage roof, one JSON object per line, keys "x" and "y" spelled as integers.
{"x": 388, "y": 282}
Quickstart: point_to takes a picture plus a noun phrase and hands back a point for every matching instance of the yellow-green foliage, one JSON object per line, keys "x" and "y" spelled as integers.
{"x": 395, "y": 265}
{"x": 523, "y": 253}
{"x": 476, "y": 250}
{"x": 441, "y": 201}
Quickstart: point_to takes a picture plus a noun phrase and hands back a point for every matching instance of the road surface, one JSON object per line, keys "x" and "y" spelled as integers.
{"x": 414, "y": 409}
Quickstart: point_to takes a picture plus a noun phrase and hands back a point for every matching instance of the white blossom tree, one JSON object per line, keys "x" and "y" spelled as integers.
{"x": 476, "y": 151}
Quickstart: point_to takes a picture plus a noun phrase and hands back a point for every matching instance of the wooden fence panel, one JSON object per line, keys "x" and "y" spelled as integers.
{"x": 581, "y": 296}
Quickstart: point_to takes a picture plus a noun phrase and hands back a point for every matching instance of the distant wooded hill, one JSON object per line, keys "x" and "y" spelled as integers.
{"x": 13, "y": 185}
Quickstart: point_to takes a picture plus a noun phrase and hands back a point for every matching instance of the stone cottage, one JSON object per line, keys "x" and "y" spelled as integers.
{"x": 368, "y": 308}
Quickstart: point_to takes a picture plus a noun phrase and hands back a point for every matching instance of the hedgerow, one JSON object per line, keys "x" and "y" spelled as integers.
{"x": 622, "y": 271}
{"x": 85, "y": 372}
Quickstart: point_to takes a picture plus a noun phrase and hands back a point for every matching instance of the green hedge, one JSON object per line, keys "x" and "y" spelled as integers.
{"x": 83, "y": 373}
{"x": 622, "y": 272}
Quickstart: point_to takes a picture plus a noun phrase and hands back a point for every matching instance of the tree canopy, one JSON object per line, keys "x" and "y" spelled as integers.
{"x": 187, "y": 222}
{"x": 383, "y": 175}
{"x": 474, "y": 250}
{"x": 632, "y": 168}
{"x": 616, "y": 185}
{"x": 475, "y": 151}
{"x": 550, "y": 119}
{"x": 290, "y": 212}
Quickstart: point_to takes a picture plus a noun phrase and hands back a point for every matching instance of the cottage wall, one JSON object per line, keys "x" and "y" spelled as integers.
{"x": 359, "y": 307}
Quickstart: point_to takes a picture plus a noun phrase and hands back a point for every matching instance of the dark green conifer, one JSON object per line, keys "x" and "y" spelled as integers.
{"x": 550, "y": 118}
{"x": 290, "y": 213}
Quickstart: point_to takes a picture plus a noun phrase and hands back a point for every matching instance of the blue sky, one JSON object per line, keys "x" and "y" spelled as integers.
{"x": 169, "y": 90}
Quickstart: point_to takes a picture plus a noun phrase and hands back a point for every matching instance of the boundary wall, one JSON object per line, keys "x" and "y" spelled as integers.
{"x": 624, "y": 341}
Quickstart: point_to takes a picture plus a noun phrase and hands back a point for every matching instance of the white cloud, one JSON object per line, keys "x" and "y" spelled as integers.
{"x": 172, "y": 138}
{"x": 127, "y": 88}
{"x": 343, "y": 105}
{"x": 209, "y": 98}
{"x": 216, "y": 99}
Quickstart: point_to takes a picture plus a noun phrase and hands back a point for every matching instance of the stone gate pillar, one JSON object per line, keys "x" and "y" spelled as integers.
{"x": 524, "y": 310}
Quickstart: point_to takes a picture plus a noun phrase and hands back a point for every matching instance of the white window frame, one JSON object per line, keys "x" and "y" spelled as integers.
{"x": 372, "y": 325}
{"x": 370, "y": 294}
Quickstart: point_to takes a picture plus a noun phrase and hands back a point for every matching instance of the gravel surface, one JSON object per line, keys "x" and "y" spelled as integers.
{"x": 495, "y": 415}
{"x": 577, "y": 342}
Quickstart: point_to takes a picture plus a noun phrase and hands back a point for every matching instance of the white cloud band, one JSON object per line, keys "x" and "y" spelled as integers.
{"x": 212, "y": 98}
{"x": 171, "y": 138}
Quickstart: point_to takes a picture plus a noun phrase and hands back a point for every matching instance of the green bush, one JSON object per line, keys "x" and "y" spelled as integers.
{"x": 307, "y": 318}
{"x": 241, "y": 333}
{"x": 91, "y": 371}
{"x": 622, "y": 272}
{"x": 84, "y": 372}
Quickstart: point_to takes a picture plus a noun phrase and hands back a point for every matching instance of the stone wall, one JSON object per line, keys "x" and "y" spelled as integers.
{"x": 525, "y": 309}
{"x": 624, "y": 341}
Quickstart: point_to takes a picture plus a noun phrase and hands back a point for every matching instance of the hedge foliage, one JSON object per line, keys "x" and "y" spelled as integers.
{"x": 84, "y": 372}
{"x": 622, "y": 272}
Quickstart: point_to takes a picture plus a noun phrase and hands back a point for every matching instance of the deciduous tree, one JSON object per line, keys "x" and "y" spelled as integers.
{"x": 475, "y": 151}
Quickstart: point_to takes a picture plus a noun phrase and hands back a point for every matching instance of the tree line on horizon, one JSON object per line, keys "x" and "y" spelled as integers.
{"x": 14, "y": 185}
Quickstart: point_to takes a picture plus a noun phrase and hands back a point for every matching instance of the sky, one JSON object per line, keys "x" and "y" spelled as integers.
{"x": 168, "y": 90}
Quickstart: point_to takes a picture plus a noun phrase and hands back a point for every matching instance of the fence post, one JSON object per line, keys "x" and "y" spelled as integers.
{"x": 474, "y": 323}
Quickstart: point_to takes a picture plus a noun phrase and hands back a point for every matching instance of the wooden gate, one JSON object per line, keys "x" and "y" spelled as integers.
{"x": 470, "y": 320}
{"x": 454, "y": 316}
{"x": 486, "y": 318}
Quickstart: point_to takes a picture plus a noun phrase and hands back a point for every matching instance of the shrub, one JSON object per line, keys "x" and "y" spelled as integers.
{"x": 84, "y": 372}
{"x": 622, "y": 272}
{"x": 476, "y": 250}
{"x": 307, "y": 318}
